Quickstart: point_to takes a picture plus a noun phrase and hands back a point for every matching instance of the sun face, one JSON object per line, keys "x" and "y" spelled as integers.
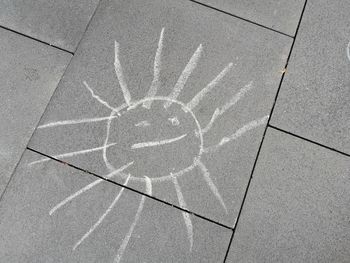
{"x": 155, "y": 139}
{"x": 161, "y": 142}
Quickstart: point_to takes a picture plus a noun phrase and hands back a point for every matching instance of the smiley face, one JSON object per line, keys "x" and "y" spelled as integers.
{"x": 159, "y": 141}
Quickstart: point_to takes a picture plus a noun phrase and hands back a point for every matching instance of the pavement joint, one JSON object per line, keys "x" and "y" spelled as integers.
{"x": 241, "y": 18}
{"x": 263, "y": 137}
{"x": 257, "y": 154}
{"x": 308, "y": 140}
{"x": 129, "y": 188}
{"x": 35, "y": 39}
{"x": 88, "y": 25}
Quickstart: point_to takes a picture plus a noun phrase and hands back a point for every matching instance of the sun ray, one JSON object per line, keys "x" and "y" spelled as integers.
{"x": 186, "y": 216}
{"x": 219, "y": 111}
{"x": 241, "y": 131}
{"x": 88, "y": 187}
{"x": 156, "y": 72}
{"x": 210, "y": 183}
{"x": 157, "y": 143}
{"x": 191, "y": 65}
{"x": 100, "y": 220}
{"x": 72, "y": 122}
{"x": 70, "y": 154}
{"x": 138, "y": 213}
{"x": 200, "y": 95}
{"x": 104, "y": 152}
{"x": 120, "y": 75}
{"x": 104, "y": 103}
{"x": 142, "y": 124}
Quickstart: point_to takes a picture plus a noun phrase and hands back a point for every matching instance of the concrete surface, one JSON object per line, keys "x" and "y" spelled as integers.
{"x": 186, "y": 25}
{"x": 314, "y": 101}
{"x": 183, "y": 170}
{"x": 58, "y": 22}
{"x": 279, "y": 15}
{"x": 29, "y": 73}
{"x": 297, "y": 206}
{"x": 30, "y": 234}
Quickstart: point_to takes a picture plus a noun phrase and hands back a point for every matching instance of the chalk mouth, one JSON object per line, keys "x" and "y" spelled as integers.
{"x": 157, "y": 143}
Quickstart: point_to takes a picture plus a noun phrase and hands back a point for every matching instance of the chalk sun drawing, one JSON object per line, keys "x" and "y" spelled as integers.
{"x": 125, "y": 156}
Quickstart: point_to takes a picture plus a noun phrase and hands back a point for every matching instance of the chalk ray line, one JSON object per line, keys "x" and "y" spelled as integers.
{"x": 157, "y": 143}
{"x": 104, "y": 152}
{"x": 241, "y": 131}
{"x": 100, "y": 220}
{"x": 191, "y": 65}
{"x": 104, "y": 103}
{"x": 200, "y": 95}
{"x": 138, "y": 213}
{"x": 70, "y": 154}
{"x": 119, "y": 71}
{"x": 156, "y": 72}
{"x": 72, "y": 122}
{"x": 142, "y": 124}
{"x": 210, "y": 183}
{"x": 348, "y": 51}
{"x": 219, "y": 111}
{"x": 88, "y": 187}
{"x": 185, "y": 215}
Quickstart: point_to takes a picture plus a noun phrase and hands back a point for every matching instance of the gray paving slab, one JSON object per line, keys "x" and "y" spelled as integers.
{"x": 297, "y": 207}
{"x": 136, "y": 228}
{"x": 210, "y": 167}
{"x": 29, "y": 73}
{"x": 276, "y": 14}
{"x": 60, "y": 23}
{"x": 314, "y": 101}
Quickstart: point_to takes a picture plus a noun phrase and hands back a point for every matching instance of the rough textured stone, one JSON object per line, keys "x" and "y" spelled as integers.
{"x": 257, "y": 56}
{"x": 29, "y": 73}
{"x": 314, "y": 101}
{"x": 297, "y": 208}
{"x": 279, "y": 15}
{"x": 57, "y": 22}
{"x": 28, "y": 233}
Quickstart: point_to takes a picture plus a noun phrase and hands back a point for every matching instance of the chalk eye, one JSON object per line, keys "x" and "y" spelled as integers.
{"x": 174, "y": 121}
{"x": 142, "y": 124}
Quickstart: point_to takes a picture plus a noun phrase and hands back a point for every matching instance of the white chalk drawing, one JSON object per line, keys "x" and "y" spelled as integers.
{"x": 348, "y": 51}
{"x": 185, "y": 131}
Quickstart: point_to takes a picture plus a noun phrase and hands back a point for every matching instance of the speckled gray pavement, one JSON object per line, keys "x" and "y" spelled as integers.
{"x": 59, "y": 23}
{"x": 297, "y": 205}
{"x": 315, "y": 96}
{"x": 30, "y": 234}
{"x": 279, "y": 15}
{"x": 29, "y": 73}
{"x": 187, "y": 27}
{"x": 174, "y": 131}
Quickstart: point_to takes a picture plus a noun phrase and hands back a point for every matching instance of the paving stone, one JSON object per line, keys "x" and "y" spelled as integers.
{"x": 28, "y": 233}
{"x": 297, "y": 207}
{"x": 280, "y": 15}
{"x": 314, "y": 101}
{"x": 165, "y": 141}
{"x": 59, "y": 23}
{"x": 29, "y": 73}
